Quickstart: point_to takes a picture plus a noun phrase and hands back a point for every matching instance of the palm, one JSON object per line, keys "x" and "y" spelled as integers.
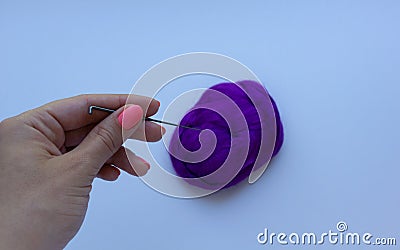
{"x": 45, "y": 185}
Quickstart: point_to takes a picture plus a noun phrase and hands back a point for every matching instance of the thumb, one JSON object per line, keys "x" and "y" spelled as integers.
{"x": 104, "y": 140}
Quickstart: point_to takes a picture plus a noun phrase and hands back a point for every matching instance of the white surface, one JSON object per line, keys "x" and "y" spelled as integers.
{"x": 332, "y": 67}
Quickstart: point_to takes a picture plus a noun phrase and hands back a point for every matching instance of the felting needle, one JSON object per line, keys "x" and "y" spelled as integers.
{"x": 91, "y": 108}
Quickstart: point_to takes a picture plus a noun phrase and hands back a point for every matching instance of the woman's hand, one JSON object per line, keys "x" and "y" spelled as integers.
{"x": 49, "y": 157}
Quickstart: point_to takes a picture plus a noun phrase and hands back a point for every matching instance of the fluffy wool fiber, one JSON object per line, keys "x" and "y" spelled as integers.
{"x": 250, "y": 97}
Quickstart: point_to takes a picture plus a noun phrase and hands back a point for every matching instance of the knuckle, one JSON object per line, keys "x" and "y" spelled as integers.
{"x": 83, "y": 96}
{"x": 106, "y": 136}
{"x": 7, "y": 124}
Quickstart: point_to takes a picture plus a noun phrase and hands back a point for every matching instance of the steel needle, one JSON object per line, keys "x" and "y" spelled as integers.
{"x": 91, "y": 108}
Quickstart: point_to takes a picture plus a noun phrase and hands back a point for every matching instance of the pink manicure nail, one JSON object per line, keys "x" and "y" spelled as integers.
{"x": 145, "y": 162}
{"x": 130, "y": 117}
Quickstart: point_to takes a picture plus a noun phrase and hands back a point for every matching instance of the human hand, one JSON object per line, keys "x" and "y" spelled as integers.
{"x": 49, "y": 157}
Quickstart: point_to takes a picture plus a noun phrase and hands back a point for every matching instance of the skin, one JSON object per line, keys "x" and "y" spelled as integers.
{"x": 49, "y": 157}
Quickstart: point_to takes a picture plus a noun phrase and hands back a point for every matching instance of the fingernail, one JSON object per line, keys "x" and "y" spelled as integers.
{"x": 145, "y": 162}
{"x": 130, "y": 117}
{"x": 158, "y": 103}
{"x": 163, "y": 131}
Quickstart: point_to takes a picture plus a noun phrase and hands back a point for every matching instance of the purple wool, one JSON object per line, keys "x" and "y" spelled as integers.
{"x": 251, "y": 98}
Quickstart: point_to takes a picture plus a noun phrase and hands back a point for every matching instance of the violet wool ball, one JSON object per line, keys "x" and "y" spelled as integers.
{"x": 238, "y": 130}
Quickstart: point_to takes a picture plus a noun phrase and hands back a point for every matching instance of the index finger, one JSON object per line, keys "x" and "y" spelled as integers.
{"x": 72, "y": 113}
